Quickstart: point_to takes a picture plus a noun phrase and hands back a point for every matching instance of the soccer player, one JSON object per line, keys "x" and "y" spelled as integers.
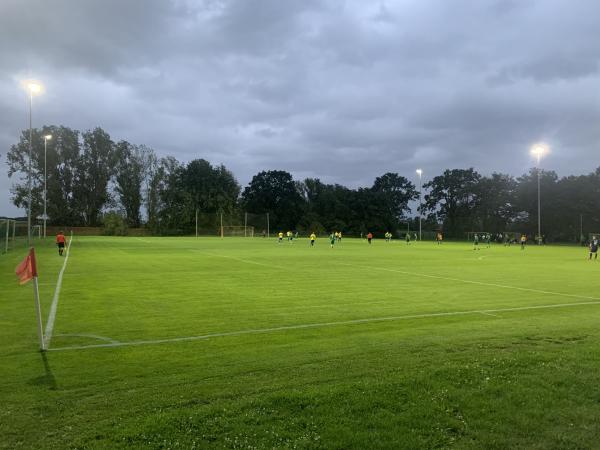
{"x": 313, "y": 236}
{"x": 289, "y": 236}
{"x": 407, "y": 237}
{"x": 594, "y": 247}
{"x": 488, "y": 239}
{"x": 60, "y": 242}
{"x": 339, "y": 236}
{"x": 439, "y": 238}
{"x": 280, "y": 237}
{"x": 476, "y": 242}
{"x": 523, "y": 241}
{"x": 370, "y": 237}
{"x": 332, "y": 238}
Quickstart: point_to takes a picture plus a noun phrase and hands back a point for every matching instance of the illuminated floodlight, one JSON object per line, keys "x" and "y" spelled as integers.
{"x": 539, "y": 150}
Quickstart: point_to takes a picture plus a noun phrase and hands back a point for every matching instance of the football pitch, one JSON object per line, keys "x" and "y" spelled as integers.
{"x": 246, "y": 343}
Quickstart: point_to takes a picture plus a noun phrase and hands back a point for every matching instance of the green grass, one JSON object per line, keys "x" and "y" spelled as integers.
{"x": 524, "y": 378}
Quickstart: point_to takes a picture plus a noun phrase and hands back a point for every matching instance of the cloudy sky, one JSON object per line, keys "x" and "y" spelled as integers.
{"x": 340, "y": 90}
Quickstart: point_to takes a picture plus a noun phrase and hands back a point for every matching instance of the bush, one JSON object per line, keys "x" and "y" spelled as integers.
{"x": 114, "y": 224}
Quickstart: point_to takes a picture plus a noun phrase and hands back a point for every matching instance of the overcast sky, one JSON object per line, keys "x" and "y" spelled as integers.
{"x": 340, "y": 90}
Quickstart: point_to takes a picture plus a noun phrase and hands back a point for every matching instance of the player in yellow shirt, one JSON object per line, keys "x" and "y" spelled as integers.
{"x": 280, "y": 237}
{"x": 313, "y": 236}
{"x": 289, "y": 236}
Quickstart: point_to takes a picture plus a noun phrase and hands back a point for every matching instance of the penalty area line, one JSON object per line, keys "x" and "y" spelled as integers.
{"x": 321, "y": 325}
{"x": 52, "y": 315}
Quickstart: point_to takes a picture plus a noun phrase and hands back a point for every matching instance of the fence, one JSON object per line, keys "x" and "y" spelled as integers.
{"x": 13, "y": 234}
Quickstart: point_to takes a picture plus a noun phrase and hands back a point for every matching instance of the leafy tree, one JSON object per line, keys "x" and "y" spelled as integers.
{"x": 175, "y": 204}
{"x": 94, "y": 170}
{"x": 397, "y": 192}
{"x": 453, "y": 197}
{"x": 62, "y": 161}
{"x": 496, "y": 208}
{"x": 527, "y": 191}
{"x": 212, "y": 189}
{"x": 129, "y": 176}
{"x": 274, "y": 192}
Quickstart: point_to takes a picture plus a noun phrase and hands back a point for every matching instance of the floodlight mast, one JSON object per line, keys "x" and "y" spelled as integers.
{"x": 46, "y": 139}
{"x": 538, "y": 151}
{"x": 33, "y": 88}
{"x": 420, "y": 173}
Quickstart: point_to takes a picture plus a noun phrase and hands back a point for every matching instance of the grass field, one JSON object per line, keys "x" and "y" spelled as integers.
{"x": 244, "y": 343}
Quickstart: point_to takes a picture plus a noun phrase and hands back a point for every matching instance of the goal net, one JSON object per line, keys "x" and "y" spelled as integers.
{"x": 237, "y": 230}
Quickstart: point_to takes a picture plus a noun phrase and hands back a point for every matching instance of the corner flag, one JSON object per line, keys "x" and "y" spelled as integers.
{"x": 26, "y": 271}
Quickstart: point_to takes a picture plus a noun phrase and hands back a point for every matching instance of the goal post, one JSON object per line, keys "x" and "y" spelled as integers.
{"x": 36, "y": 231}
{"x": 237, "y": 231}
{"x": 10, "y": 231}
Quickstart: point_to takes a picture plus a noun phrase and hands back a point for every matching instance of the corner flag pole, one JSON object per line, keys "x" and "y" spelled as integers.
{"x": 25, "y": 271}
{"x": 36, "y": 297}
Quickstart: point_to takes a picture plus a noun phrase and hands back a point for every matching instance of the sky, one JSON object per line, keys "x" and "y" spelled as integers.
{"x": 339, "y": 90}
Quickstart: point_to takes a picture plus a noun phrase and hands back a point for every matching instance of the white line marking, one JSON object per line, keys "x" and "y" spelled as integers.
{"x": 488, "y": 314}
{"x": 93, "y": 336}
{"x": 480, "y": 283}
{"x": 321, "y": 325}
{"x": 52, "y": 315}
{"x": 144, "y": 240}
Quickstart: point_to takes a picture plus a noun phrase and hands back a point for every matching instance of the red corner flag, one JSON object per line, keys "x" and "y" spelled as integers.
{"x": 27, "y": 269}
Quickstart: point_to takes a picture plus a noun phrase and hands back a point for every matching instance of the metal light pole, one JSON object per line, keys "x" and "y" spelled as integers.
{"x": 420, "y": 173}
{"x": 46, "y": 139}
{"x": 33, "y": 88}
{"x": 538, "y": 151}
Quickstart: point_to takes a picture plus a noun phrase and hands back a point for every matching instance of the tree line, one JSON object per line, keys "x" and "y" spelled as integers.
{"x": 91, "y": 180}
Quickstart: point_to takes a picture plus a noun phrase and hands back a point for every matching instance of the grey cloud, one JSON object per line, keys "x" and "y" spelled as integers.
{"x": 341, "y": 90}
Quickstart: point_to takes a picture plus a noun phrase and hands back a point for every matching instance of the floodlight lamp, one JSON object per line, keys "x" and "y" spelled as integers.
{"x": 34, "y": 88}
{"x": 539, "y": 150}
{"x": 419, "y": 172}
{"x": 48, "y": 137}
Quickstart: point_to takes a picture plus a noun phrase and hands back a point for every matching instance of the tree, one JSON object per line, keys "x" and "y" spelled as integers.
{"x": 95, "y": 167}
{"x": 397, "y": 192}
{"x": 274, "y": 192}
{"x": 174, "y": 204}
{"x": 527, "y": 195}
{"x": 212, "y": 189}
{"x": 453, "y": 197}
{"x": 62, "y": 162}
{"x": 128, "y": 180}
{"x": 496, "y": 208}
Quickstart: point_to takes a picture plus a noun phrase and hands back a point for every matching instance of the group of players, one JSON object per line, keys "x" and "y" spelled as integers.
{"x": 336, "y": 237}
